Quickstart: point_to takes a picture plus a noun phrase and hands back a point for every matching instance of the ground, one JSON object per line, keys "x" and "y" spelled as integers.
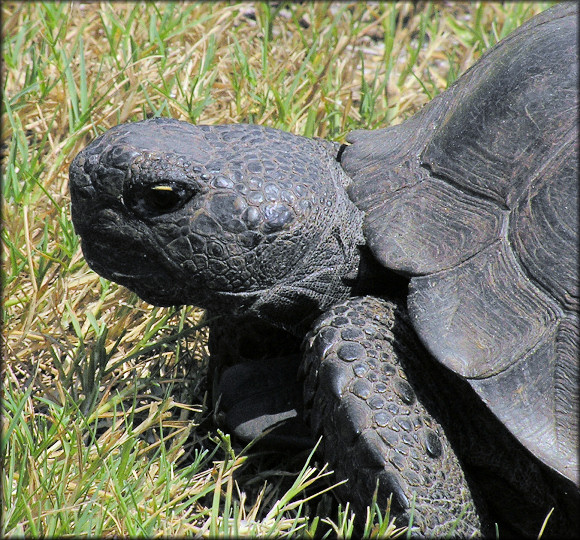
{"x": 105, "y": 425}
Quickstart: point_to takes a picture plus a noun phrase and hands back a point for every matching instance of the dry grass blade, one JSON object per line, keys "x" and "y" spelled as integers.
{"x": 103, "y": 394}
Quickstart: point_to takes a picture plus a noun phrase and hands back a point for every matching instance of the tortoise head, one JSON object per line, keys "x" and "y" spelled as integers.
{"x": 233, "y": 218}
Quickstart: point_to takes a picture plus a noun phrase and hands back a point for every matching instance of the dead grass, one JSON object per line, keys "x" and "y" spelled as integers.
{"x": 80, "y": 349}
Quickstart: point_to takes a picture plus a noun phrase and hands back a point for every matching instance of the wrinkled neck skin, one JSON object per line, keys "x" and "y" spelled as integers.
{"x": 293, "y": 305}
{"x": 337, "y": 266}
{"x": 327, "y": 273}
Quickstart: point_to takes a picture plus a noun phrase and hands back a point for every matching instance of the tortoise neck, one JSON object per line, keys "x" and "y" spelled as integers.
{"x": 327, "y": 274}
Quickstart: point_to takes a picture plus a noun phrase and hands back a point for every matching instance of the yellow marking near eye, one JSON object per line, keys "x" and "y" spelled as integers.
{"x": 162, "y": 188}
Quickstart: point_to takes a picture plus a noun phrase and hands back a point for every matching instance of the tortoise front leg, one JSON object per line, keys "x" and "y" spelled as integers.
{"x": 367, "y": 391}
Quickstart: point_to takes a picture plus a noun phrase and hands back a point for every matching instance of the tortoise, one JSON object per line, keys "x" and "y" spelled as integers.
{"x": 410, "y": 295}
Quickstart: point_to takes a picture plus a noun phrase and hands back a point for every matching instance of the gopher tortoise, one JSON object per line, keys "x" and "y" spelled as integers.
{"x": 411, "y": 295}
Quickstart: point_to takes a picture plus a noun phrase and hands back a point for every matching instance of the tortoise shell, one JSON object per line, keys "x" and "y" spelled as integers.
{"x": 476, "y": 199}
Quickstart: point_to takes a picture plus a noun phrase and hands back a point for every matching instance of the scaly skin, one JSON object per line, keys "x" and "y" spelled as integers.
{"x": 361, "y": 363}
{"x": 214, "y": 217}
{"x": 474, "y": 200}
{"x": 241, "y": 229}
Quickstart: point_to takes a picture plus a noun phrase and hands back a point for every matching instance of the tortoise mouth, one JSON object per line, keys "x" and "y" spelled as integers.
{"x": 150, "y": 276}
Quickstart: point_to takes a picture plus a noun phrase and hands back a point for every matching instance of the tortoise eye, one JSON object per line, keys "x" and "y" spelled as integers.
{"x": 158, "y": 198}
{"x": 162, "y": 198}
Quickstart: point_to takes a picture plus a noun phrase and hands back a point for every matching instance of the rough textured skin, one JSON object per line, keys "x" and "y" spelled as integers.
{"x": 384, "y": 410}
{"x": 490, "y": 168}
{"x": 212, "y": 208}
{"x": 379, "y": 427}
{"x": 473, "y": 199}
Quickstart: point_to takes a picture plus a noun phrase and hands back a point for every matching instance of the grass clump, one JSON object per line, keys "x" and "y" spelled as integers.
{"x": 106, "y": 430}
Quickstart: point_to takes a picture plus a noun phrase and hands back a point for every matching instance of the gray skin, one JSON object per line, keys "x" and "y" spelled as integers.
{"x": 454, "y": 387}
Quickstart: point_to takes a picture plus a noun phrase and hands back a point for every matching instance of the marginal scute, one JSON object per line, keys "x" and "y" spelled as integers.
{"x": 567, "y": 390}
{"x": 550, "y": 390}
{"x": 467, "y": 224}
{"x": 483, "y": 315}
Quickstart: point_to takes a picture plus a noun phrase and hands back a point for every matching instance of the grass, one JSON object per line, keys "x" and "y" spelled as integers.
{"x": 105, "y": 427}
